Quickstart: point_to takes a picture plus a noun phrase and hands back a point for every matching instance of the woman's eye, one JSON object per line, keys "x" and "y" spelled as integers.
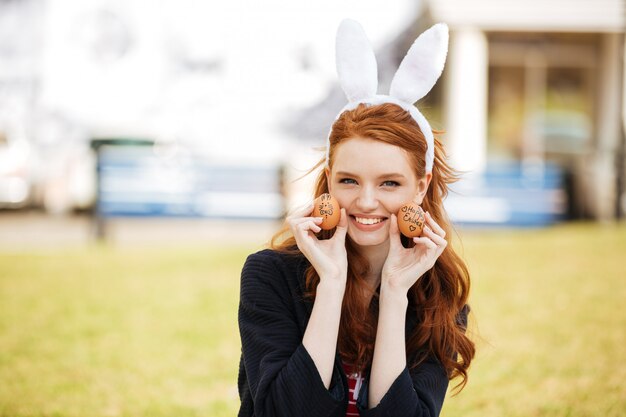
{"x": 391, "y": 184}
{"x": 347, "y": 181}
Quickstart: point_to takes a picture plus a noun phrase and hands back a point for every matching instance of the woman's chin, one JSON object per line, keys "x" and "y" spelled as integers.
{"x": 369, "y": 238}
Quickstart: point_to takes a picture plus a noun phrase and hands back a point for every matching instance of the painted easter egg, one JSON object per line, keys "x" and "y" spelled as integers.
{"x": 411, "y": 220}
{"x": 327, "y": 207}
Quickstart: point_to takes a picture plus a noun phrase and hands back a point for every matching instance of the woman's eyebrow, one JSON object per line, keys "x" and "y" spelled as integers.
{"x": 387, "y": 175}
{"x": 392, "y": 175}
{"x": 345, "y": 174}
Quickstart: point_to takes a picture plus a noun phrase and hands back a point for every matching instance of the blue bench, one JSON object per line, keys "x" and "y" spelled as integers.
{"x": 134, "y": 181}
{"x": 509, "y": 195}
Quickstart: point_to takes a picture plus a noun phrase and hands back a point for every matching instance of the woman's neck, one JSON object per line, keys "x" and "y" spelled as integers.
{"x": 376, "y": 256}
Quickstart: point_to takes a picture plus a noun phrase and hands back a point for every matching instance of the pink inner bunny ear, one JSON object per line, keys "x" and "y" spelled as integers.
{"x": 422, "y": 65}
{"x": 356, "y": 63}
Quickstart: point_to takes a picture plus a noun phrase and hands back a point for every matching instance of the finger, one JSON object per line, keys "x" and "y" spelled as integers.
{"x": 300, "y": 227}
{"x": 308, "y": 225}
{"x": 424, "y": 241}
{"x": 439, "y": 240}
{"x": 293, "y": 222}
{"x": 394, "y": 232}
{"x": 433, "y": 224}
{"x": 297, "y": 220}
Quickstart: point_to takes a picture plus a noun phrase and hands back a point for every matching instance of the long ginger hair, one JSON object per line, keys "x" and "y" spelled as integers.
{"x": 439, "y": 296}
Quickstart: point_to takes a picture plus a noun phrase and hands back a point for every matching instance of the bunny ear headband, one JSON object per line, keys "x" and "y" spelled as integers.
{"x": 417, "y": 74}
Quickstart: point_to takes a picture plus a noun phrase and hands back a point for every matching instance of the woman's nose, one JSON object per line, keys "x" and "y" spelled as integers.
{"x": 367, "y": 200}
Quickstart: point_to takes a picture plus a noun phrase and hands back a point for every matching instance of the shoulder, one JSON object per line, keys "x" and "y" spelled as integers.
{"x": 270, "y": 260}
{"x": 272, "y": 268}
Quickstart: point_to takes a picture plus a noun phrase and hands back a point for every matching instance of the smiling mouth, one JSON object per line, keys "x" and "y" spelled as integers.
{"x": 367, "y": 220}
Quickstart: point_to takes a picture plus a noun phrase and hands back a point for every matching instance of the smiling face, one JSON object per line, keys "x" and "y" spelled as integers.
{"x": 371, "y": 180}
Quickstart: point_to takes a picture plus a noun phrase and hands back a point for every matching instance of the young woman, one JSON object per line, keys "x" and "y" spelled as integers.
{"x": 359, "y": 320}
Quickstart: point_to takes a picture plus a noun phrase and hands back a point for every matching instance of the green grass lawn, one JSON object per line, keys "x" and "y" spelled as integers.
{"x": 152, "y": 332}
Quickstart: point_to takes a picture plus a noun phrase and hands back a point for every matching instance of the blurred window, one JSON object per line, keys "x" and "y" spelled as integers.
{"x": 568, "y": 122}
{"x": 541, "y": 95}
{"x": 506, "y": 112}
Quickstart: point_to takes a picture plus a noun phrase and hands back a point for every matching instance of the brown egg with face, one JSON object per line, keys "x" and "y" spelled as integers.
{"x": 327, "y": 207}
{"x": 411, "y": 220}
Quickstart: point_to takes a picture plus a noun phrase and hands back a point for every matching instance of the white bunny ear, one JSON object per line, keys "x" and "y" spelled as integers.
{"x": 422, "y": 65}
{"x": 356, "y": 63}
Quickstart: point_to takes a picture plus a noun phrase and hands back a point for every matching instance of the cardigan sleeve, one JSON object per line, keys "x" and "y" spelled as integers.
{"x": 419, "y": 392}
{"x": 282, "y": 378}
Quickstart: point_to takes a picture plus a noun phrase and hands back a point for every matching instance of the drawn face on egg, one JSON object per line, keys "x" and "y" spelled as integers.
{"x": 327, "y": 207}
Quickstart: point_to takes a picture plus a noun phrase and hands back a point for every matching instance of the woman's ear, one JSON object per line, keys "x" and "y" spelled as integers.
{"x": 422, "y": 187}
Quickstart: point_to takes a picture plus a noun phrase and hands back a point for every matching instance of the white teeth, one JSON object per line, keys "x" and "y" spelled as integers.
{"x": 367, "y": 221}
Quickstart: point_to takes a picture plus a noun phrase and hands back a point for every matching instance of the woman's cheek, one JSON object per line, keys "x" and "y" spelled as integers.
{"x": 344, "y": 198}
{"x": 394, "y": 206}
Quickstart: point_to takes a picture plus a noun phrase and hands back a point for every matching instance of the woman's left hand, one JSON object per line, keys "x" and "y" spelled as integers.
{"x": 403, "y": 266}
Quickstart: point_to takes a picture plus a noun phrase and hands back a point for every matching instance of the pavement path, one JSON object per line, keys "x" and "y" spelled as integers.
{"x": 21, "y": 231}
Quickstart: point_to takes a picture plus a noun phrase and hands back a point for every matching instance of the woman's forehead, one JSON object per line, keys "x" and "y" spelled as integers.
{"x": 371, "y": 155}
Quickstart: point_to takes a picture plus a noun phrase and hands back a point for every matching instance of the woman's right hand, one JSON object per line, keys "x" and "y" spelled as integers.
{"x": 328, "y": 257}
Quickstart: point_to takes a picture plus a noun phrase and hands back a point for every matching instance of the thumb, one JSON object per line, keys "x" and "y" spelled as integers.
{"x": 394, "y": 232}
{"x": 342, "y": 226}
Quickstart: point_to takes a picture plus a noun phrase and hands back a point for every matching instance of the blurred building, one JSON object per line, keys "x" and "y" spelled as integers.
{"x": 540, "y": 82}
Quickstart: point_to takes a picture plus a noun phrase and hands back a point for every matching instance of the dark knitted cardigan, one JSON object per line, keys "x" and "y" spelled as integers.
{"x": 278, "y": 378}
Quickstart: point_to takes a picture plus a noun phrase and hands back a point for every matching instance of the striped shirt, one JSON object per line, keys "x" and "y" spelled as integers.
{"x": 355, "y": 379}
